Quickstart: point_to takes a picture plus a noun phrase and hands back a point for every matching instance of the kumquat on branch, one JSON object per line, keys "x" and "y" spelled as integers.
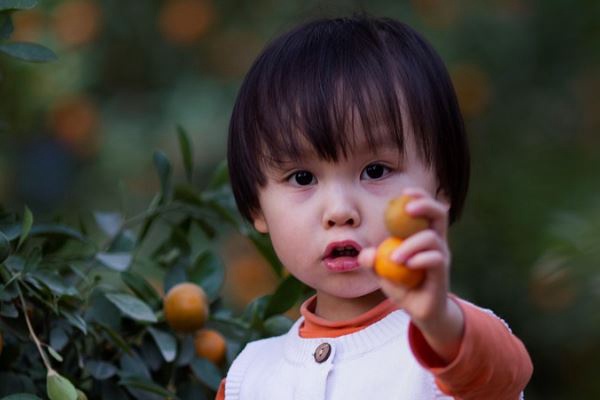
{"x": 82, "y": 318}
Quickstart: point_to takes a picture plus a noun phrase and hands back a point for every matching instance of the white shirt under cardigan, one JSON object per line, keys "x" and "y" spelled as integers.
{"x": 374, "y": 363}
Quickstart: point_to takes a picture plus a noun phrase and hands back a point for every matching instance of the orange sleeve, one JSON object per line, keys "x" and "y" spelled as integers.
{"x": 491, "y": 363}
{"x": 221, "y": 392}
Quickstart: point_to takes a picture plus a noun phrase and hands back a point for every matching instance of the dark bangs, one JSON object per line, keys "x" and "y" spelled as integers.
{"x": 325, "y": 84}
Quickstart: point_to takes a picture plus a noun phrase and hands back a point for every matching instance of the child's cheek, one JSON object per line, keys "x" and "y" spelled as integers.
{"x": 382, "y": 190}
{"x": 300, "y": 196}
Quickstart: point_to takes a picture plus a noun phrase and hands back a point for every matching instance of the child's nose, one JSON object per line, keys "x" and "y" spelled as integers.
{"x": 340, "y": 213}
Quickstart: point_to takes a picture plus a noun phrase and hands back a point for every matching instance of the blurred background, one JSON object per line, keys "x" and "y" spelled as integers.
{"x": 78, "y": 134}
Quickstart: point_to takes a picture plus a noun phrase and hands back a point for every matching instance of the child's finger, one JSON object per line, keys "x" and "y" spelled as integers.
{"x": 427, "y": 259}
{"x": 420, "y": 241}
{"x": 415, "y": 192}
{"x": 366, "y": 257}
{"x": 431, "y": 209}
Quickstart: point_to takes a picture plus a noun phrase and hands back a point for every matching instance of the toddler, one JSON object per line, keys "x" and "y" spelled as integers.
{"x": 333, "y": 120}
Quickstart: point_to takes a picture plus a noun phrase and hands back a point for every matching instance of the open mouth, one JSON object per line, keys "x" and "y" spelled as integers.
{"x": 346, "y": 251}
{"x": 342, "y": 256}
{"x": 346, "y": 248}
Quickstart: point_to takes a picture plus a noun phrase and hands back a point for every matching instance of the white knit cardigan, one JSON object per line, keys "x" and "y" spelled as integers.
{"x": 373, "y": 363}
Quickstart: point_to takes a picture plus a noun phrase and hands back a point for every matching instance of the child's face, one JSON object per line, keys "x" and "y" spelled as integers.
{"x": 309, "y": 206}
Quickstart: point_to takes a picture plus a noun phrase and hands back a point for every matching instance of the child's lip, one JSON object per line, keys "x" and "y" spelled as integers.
{"x": 343, "y": 243}
{"x": 342, "y": 264}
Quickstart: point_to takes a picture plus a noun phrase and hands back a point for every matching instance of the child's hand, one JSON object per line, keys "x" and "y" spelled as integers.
{"x": 431, "y": 310}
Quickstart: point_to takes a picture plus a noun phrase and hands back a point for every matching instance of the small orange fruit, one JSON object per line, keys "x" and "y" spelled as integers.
{"x": 210, "y": 344}
{"x": 186, "y": 307}
{"x": 392, "y": 271}
{"x": 398, "y": 222}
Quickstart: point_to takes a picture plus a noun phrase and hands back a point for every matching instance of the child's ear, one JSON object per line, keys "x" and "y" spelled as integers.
{"x": 259, "y": 222}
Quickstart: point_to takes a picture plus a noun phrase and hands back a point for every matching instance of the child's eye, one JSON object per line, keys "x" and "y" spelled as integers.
{"x": 302, "y": 178}
{"x": 374, "y": 171}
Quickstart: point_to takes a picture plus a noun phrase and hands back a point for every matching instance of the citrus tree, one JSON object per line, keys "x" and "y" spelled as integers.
{"x": 82, "y": 310}
{"x": 81, "y": 316}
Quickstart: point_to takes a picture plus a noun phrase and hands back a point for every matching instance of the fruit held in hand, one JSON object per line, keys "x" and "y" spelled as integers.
{"x": 397, "y": 273}
{"x": 210, "y": 344}
{"x": 186, "y": 307}
{"x": 398, "y": 222}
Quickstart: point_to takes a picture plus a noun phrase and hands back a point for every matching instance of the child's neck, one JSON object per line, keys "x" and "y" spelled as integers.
{"x": 335, "y": 309}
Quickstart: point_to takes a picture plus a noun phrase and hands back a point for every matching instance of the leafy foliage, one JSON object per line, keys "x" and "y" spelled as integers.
{"x": 24, "y": 51}
{"x": 98, "y": 317}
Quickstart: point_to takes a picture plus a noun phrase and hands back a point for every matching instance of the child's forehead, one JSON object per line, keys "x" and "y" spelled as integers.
{"x": 359, "y": 145}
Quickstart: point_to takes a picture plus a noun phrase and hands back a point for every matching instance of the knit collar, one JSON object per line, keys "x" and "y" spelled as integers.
{"x": 300, "y": 350}
{"x": 315, "y": 326}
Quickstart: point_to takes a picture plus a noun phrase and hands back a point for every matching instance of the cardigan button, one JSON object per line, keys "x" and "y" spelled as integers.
{"x": 322, "y": 352}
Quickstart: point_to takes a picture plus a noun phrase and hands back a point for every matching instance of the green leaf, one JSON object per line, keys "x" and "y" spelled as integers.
{"x": 187, "y": 194}
{"x": 207, "y": 372}
{"x": 165, "y": 342}
{"x": 255, "y": 311}
{"x": 116, "y": 261}
{"x": 187, "y": 352}
{"x": 4, "y": 247}
{"x": 100, "y": 370}
{"x": 75, "y": 320}
{"x": 109, "y": 222}
{"x": 287, "y": 294}
{"x": 33, "y": 259}
{"x": 45, "y": 230}
{"x": 277, "y": 325}
{"x": 151, "y": 354}
{"x": 220, "y": 177}
{"x": 206, "y": 228}
{"x": 132, "y": 307}
{"x": 26, "y": 225}
{"x": 17, "y": 4}
{"x": 232, "y": 328}
{"x": 141, "y": 288}
{"x": 6, "y": 25}
{"x": 8, "y": 310}
{"x": 148, "y": 222}
{"x": 28, "y": 52}
{"x": 123, "y": 242}
{"x": 58, "y": 230}
{"x": 21, "y": 396}
{"x": 116, "y": 339}
{"x": 163, "y": 167}
{"x": 186, "y": 152}
{"x": 208, "y": 272}
{"x": 55, "y": 283}
{"x": 133, "y": 366}
{"x": 224, "y": 211}
{"x": 264, "y": 246}
{"x": 54, "y": 354}
{"x": 176, "y": 274}
{"x": 59, "y": 337}
{"x": 147, "y": 386}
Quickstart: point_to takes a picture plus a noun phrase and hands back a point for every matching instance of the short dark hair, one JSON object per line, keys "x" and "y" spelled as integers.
{"x": 309, "y": 82}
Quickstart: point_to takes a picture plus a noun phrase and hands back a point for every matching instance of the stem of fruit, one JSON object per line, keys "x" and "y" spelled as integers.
{"x": 32, "y": 332}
